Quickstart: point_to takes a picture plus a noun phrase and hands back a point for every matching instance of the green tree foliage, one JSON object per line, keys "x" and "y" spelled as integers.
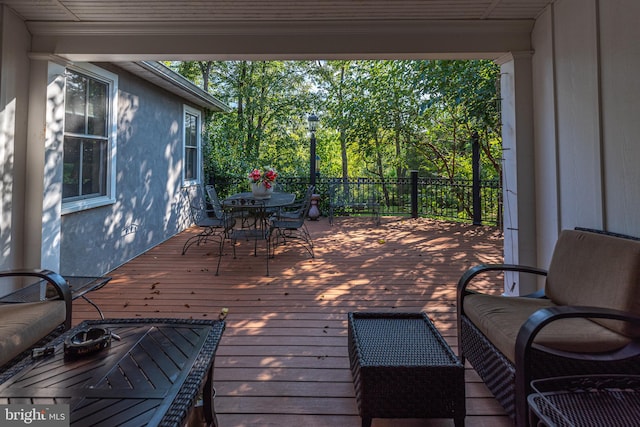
{"x": 334, "y": 80}
{"x": 269, "y": 101}
{"x": 378, "y": 118}
{"x": 458, "y": 99}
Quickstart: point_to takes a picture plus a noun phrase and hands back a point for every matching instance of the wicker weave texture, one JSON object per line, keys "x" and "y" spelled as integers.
{"x": 403, "y": 368}
{"x": 498, "y": 373}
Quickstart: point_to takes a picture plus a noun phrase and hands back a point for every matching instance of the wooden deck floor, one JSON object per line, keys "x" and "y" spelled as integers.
{"x": 283, "y": 358}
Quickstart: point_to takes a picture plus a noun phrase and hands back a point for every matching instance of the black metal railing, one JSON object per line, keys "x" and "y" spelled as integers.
{"x": 412, "y": 196}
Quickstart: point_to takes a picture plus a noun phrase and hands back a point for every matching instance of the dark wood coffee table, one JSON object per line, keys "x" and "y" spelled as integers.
{"x": 403, "y": 368}
{"x": 152, "y": 376}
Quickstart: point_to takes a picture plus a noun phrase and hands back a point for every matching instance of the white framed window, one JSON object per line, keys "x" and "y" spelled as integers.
{"x": 191, "y": 170}
{"x": 89, "y": 146}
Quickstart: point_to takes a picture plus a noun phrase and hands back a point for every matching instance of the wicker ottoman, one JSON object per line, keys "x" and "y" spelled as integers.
{"x": 403, "y": 368}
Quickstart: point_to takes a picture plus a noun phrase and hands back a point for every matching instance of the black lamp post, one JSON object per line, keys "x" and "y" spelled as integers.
{"x": 313, "y": 125}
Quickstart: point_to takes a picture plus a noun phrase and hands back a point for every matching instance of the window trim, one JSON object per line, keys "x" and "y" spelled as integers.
{"x": 198, "y": 179}
{"x": 111, "y": 80}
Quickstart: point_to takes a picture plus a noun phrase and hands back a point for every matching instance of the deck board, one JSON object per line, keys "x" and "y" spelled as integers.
{"x": 283, "y": 358}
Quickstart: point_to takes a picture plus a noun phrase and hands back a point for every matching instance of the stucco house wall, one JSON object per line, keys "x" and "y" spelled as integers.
{"x": 151, "y": 205}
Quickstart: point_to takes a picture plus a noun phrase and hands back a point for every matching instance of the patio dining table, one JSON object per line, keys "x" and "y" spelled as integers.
{"x": 255, "y": 214}
{"x": 277, "y": 200}
{"x": 257, "y": 208}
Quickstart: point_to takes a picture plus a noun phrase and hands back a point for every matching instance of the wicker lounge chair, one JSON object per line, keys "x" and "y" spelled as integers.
{"x": 27, "y": 319}
{"x": 593, "y": 277}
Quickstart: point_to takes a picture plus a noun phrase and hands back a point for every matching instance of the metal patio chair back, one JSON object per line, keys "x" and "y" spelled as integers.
{"x": 255, "y": 225}
{"x": 290, "y": 225}
{"x": 211, "y": 226}
{"x": 212, "y": 194}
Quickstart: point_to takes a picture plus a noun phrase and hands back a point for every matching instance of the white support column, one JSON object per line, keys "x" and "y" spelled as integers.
{"x": 518, "y": 170}
{"x": 15, "y": 41}
{"x": 44, "y": 165}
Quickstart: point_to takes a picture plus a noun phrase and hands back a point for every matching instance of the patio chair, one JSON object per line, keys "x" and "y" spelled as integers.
{"x": 353, "y": 198}
{"x": 218, "y": 210}
{"x": 294, "y": 210}
{"x": 290, "y": 225}
{"x": 592, "y": 280}
{"x": 212, "y": 194}
{"x": 214, "y": 224}
{"x": 255, "y": 230}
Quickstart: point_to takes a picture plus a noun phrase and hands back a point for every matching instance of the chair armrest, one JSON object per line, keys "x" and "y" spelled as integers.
{"x": 292, "y": 209}
{"x": 54, "y": 279}
{"x": 541, "y": 318}
{"x": 466, "y": 278}
{"x": 471, "y": 273}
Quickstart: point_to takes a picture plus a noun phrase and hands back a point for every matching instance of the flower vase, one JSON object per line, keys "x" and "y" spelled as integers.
{"x": 260, "y": 191}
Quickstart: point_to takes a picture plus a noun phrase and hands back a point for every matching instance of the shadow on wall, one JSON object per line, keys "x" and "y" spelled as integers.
{"x": 151, "y": 205}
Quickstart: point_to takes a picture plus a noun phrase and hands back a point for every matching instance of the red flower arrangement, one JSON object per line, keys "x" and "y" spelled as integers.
{"x": 267, "y": 177}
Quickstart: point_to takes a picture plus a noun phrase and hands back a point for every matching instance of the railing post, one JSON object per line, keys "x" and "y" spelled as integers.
{"x": 414, "y": 194}
{"x": 312, "y": 160}
{"x": 475, "y": 155}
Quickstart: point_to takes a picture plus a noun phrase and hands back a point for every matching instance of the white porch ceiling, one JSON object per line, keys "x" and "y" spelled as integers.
{"x": 273, "y": 10}
{"x": 125, "y": 30}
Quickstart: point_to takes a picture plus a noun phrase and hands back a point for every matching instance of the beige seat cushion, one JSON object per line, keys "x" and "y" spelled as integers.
{"x": 23, "y": 325}
{"x": 500, "y": 318}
